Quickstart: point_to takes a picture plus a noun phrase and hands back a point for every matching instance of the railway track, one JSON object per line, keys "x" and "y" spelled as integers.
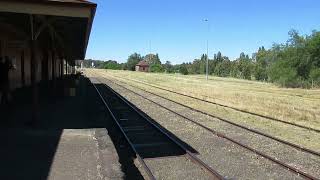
{"x": 232, "y": 123}
{"x": 229, "y": 107}
{"x": 221, "y": 135}
{"x": 145, "y": 138}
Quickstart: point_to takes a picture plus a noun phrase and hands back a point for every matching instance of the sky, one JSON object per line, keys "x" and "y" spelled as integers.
{"x": 176, "y": 30}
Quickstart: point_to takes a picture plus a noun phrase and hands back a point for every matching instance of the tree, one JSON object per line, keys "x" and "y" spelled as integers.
{"x": 219, "y": 57}
{"x": 152, "y": 59}
{"x": 112, "y": 65}
{"x": 202, "y": 64}
{"x": 315, "y": 77}
{"x": 96, "y": 63}
{"x": 133, "y": 60}
{"x": 284, "y": 75}
{"x": 261, "y": 63}
{"x": 223, "y": 68}
{"x": 244, "y": 66}
{"x": 183, "y": 69}
{"x": 156, "y": 68}
{"x": 168, "y": 67}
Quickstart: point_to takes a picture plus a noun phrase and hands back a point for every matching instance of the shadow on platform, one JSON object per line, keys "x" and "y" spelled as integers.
{"x": 27, "y": 151}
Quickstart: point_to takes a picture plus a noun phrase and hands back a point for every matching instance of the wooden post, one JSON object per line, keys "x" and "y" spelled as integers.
{"x": 66, "y": 67}
{"x": 45, "y": 69}
{"x": 35, "y": 106}
{"x": 23, "y": 80}
{"x": 53, "y": 66}
{"x": 61, "y": 68}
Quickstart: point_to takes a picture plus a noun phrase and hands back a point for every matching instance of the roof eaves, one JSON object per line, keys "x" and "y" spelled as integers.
{"x": 79, "y": 3}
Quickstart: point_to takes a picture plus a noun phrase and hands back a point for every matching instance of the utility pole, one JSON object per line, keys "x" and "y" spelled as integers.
{"x": 207, "y": 58}
{"x": 149, "y": 51}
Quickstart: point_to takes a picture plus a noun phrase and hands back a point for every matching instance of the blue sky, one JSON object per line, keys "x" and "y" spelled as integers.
{"x": 178, "y": 33}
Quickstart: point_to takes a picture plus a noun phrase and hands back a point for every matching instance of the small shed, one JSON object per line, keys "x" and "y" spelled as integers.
{"x": 142, "y": 66}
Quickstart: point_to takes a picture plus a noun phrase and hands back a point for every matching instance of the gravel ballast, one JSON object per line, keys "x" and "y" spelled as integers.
{"x": 227, "y": 158}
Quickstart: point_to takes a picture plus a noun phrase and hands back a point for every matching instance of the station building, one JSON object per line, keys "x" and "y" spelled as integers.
{"x": 142, "y": 66}
{"x": 43, "y": 38}
{"x": 48, "y": 133}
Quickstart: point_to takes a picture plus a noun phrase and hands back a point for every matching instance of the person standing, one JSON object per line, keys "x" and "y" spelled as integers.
{"x": 2, "y": 79}
{"x": 5, "y": 67}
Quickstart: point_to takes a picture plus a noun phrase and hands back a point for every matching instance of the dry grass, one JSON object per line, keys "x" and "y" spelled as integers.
{"x": 263, "y": 98}
{"x": 295, "y": 105}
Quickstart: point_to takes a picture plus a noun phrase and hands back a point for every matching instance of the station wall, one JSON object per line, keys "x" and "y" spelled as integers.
{"x": 17, "y": 48}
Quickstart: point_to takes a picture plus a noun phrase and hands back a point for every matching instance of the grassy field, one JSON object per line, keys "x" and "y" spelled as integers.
{"x": 299, "y": 106}
{"x": 289, "y": 104}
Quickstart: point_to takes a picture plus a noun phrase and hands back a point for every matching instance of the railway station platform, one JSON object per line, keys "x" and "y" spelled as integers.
{"x": 68, "y": 140}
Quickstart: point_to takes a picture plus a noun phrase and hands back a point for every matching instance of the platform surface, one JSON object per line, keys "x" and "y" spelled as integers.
{"x": 68, "y": 141}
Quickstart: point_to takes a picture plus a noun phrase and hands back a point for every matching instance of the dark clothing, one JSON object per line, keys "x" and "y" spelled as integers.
{"x": 3, "y": 75}
{"x": 4, "y": 81}
{"x": 5, "y": 70}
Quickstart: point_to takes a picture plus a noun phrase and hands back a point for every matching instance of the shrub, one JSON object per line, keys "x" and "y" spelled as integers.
{"x": 156, "y": 68}
{"x": 183, "y": 70}
{"x": 315, "y": 77}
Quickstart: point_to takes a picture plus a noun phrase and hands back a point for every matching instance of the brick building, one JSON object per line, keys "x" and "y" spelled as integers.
{"x": 142, "y": 66}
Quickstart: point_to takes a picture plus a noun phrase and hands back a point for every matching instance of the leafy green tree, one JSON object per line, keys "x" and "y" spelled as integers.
{"x": 202, "y": 64}
{"x": 284, "y": 75}
{"x": 157, "y": 68}
{"x": 223, "y": 68}
{"x": 168, "y": 67}
{"x": 96, "y": 63}
{"x": 261, "y": 63}
{"x": 152, "y": 59}
{"x": 112, "y": 65}
{"x": 244, "y": 66}
{"x": 124, "y": 66}
{"x": 133, "y": 60}
{"x": 315, "y": 77}
{"x": 194, "y": 67}
{"x": 219, "y": 57}
{"x": 183, "y": 69}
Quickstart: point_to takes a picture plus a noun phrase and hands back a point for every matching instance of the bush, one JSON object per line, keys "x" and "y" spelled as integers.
{"x": 283, "y": 75}
{"x": 112, "y": 65}
{"x": 315, "y": 77}
{"x": 223, "y": 69}
{"x": 183, "y": 70}
{"x": 157, "y": 68}
{"x": 260, "y": 73}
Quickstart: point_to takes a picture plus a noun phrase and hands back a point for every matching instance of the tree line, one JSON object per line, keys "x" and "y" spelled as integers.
{"x": 295, "y": 63}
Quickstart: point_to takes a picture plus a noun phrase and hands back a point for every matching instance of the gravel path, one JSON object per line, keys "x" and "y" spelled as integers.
{"x": 227, "y": 158}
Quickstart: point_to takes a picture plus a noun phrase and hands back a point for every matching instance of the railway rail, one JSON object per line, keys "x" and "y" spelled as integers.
{"x": 143, "y": 135}
{"x": 221, "y": 135}
{"x": 229, "y": 107}
{"x": 235, "y": 124}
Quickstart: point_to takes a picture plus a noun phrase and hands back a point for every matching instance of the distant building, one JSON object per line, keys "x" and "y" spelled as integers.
{"x": 142, "y": 66}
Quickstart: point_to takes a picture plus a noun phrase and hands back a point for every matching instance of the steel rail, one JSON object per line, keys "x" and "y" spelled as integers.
{"x": 225, "y": 106}
{"x": 286, "y": 166}
{"x": 190, "y": 155}
{"x": 144, "y": 165}
{"x": 235, "y": 124}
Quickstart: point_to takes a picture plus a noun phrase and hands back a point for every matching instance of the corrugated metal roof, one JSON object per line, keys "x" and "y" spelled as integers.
{"x": 143, "y": 63}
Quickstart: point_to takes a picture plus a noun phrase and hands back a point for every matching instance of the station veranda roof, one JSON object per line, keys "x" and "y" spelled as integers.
{"x": 63, "y": 25}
